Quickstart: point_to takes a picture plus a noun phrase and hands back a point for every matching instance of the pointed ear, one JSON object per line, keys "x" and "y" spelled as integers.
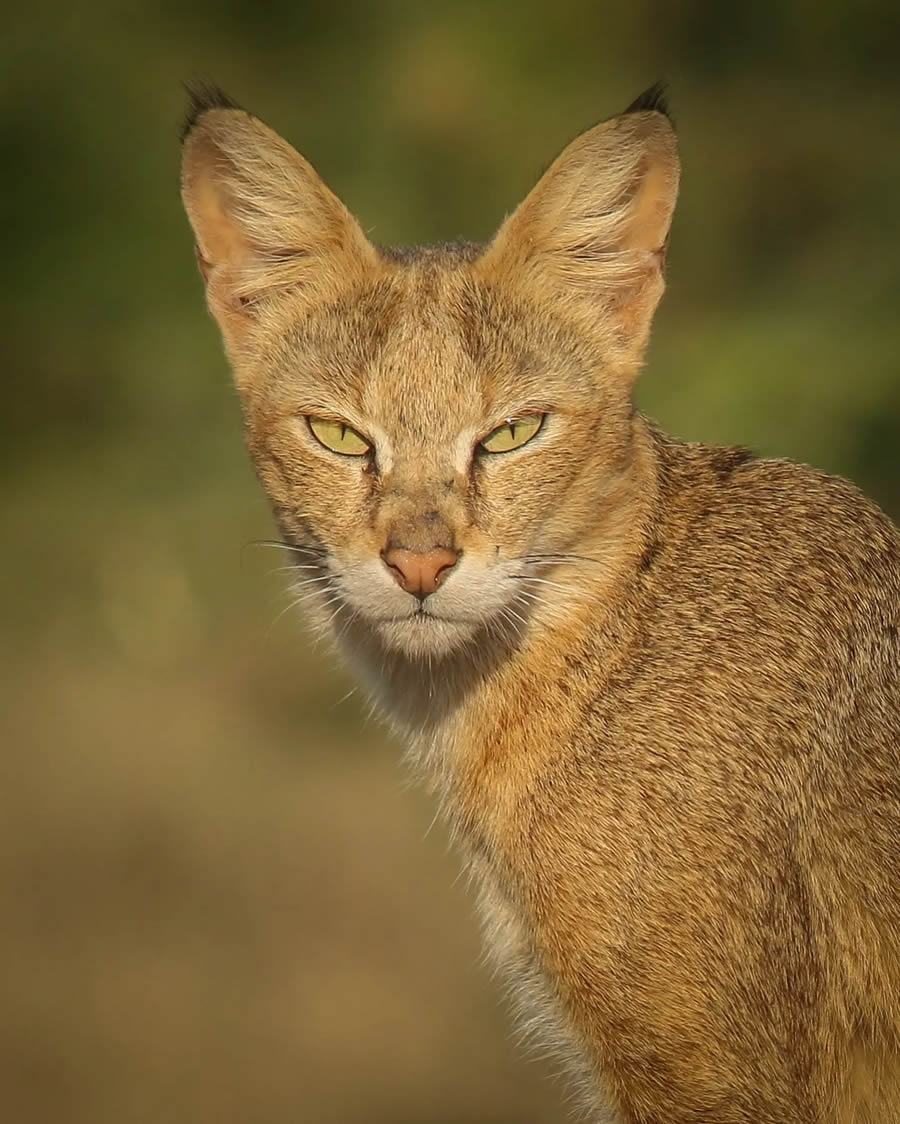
{"x": 265, "y": 223}
{"x": 591, "y": 236}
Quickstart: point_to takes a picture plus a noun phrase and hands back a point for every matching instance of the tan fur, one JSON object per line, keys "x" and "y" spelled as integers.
{"x": 658, "y": 696}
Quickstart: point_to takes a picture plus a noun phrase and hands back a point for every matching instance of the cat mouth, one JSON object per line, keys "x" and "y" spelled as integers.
{"x": 421, "y": 617}
{"x": 423, "y": 614}
{"x": 423, "y": 634}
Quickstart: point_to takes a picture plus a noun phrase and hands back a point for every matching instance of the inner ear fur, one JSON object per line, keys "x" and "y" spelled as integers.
{"x": 264, "y": 221}
{"x": 592, "y": 234}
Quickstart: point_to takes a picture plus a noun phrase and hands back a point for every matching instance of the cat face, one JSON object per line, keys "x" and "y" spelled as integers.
{"x": 424, "y": 364}
{"x": 433, "y": 428}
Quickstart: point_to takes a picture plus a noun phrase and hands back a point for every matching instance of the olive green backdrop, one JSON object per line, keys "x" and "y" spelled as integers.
{"x": 220, "y": 900}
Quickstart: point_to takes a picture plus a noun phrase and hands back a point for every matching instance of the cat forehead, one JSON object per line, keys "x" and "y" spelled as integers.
{"x": 443, "y": 253}
{"x": 425, "y": 332}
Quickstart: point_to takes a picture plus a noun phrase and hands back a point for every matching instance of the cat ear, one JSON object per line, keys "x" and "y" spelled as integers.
{"x": 592, "y": 235}
{"x": 265, "y": 223}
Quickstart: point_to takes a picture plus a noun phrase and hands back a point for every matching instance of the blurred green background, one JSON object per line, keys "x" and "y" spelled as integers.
{"x": 221, "y": 900}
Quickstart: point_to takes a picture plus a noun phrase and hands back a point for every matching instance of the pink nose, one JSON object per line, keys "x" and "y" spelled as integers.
{"x": 419, "y": 574}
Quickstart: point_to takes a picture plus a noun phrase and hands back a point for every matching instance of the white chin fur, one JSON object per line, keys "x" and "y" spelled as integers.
{"x": 424, "y": 637}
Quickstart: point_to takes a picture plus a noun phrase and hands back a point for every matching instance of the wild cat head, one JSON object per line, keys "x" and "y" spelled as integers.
{"x": 435, "y": 427}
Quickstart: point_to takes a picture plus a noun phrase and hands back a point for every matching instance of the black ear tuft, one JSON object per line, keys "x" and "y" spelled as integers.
{"x": 203, "y": 96}
{"x": 653, "y": 100}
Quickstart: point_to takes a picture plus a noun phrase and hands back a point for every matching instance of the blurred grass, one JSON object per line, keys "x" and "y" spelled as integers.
{"x": 220, "y": 901}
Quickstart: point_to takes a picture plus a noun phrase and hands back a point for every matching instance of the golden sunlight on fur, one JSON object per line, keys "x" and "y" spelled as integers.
{"x": 654, "y": 685}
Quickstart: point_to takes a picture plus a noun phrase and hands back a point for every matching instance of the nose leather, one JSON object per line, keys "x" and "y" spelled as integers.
{"x": 419, "y": 573}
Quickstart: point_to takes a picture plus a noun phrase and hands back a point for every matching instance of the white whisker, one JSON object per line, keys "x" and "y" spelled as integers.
{"x": 541, "y": 581}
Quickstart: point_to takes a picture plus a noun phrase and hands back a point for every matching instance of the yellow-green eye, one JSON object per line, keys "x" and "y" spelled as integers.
{"x": 512, "y": 434}
{"x": 339, "y": 438}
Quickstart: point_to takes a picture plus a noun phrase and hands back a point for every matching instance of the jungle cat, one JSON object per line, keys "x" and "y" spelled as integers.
{"x": 655, "y": 684}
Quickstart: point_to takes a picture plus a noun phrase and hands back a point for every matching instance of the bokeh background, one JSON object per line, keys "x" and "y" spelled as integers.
{"x": 220, "y": 898}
